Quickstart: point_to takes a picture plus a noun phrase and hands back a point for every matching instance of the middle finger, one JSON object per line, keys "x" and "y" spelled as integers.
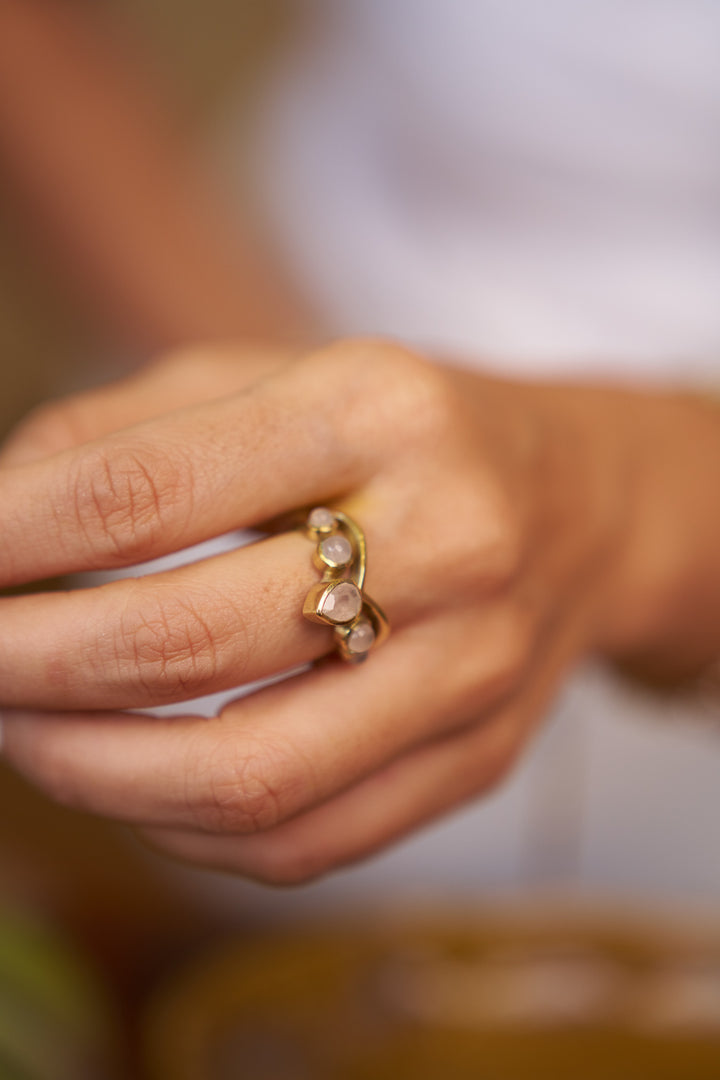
{"x": 172, "y": 636}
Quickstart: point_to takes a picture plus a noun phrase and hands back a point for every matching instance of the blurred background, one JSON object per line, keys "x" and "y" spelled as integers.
{"x": 515, "y": 185}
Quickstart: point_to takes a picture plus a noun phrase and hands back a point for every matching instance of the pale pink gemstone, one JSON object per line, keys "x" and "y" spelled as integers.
{"x": 337, "y": 550}
{"x": 342, "y": 603}
{"x": 361, "y": 638}
{"x": 321, "y": 518}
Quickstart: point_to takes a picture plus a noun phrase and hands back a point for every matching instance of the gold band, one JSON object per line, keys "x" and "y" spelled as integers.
{"x": 338, "y": 600}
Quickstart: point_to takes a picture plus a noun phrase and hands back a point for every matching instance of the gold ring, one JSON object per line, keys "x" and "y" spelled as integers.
{"x": 338, "y": 599}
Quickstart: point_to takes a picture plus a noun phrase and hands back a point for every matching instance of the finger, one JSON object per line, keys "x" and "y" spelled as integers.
{"x": 140, "y": 642}
{"x": 199, "y": 629}
{"x": 222, "y": 622}
{"x": 417, "y": 788}
{"x": 276, "y": 753}
{"x": 173, "y": 383}
{"x": 374, "y": 814}
{"x": 289, "y": 440}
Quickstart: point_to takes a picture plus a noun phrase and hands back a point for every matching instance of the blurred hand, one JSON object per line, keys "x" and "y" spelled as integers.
{"x": 502, "y": 529}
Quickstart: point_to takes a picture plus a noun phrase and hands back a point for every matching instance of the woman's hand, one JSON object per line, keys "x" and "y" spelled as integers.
{"x": 503, "y": 525}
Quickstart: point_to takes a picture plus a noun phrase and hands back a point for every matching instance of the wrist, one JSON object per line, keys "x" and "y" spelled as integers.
{"x": 670, "y": 571}
{"x": 563, "y": 468}
{"x": 624, "y": 506}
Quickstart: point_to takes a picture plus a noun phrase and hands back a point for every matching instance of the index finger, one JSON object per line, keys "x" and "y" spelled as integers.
{"x": 166, "y": 484}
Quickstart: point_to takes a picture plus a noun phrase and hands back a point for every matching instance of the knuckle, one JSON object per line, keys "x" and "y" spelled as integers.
{"x": 188, "y": 366}
{"x": 389, "y": 387}
{"x": 514, "y": 639}
{"x": 477, "y": 537}
{"x": 168, "y": 648}
{"x": 489, "y": 541}
{"x": 497, "y": 667}
{"x": 424, "y": 400}
{"x": 243, "y": 788}
{"x": 125, "y": 499}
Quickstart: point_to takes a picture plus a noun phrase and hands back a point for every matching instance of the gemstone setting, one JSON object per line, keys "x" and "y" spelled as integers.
{"x": 338, "y": 600}
{"x": 321, "y": 518}
{"x": 361, "y": 638}
{"x": 342, "y": 603}
{"x": 336, "y": 550}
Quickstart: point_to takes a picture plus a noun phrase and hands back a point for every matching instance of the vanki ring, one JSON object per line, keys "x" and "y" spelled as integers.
{"x": 338, "y": 599}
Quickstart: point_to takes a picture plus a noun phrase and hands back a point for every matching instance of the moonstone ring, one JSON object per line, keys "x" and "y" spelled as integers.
{"x": 338, "y": 600}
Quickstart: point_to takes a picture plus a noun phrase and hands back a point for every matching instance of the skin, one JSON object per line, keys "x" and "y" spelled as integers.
{"x": 512, "y": 530}
{"x": 139, "y": 236}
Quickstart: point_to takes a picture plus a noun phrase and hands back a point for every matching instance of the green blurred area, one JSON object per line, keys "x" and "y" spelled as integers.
{"x": 56, "y": 1020}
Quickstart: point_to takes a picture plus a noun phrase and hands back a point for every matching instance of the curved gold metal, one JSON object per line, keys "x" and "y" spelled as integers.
{"x": 322, "y": 607}
{"x": 357, "y": 572}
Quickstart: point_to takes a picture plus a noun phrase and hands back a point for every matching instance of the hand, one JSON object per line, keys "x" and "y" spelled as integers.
{"x": 497, "y": 518}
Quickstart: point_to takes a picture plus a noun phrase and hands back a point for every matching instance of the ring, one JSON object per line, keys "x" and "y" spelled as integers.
{"x": 338, "y": 599}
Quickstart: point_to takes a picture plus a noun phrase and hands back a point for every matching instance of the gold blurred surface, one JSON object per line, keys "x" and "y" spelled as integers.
{"x": 539, "y": 994}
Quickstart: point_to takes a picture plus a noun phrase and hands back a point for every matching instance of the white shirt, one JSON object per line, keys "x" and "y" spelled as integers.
{"x": 537, "y": 182}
